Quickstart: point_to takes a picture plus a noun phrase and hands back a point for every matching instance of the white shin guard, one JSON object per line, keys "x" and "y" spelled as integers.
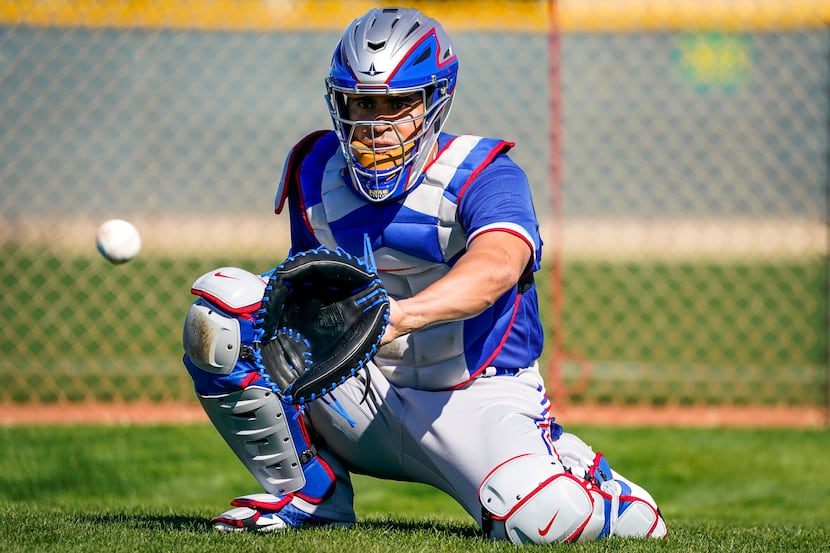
{"x": 534, "y": 499}
{"x": 253, "y": 423}
{"x": 531, "y": 499}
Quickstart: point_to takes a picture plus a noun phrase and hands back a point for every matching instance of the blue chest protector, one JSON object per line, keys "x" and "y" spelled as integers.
{"x": 416, "y": 240}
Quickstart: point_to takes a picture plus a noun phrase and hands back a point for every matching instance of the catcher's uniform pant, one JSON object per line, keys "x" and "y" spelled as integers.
{"x": 448, "y": 439}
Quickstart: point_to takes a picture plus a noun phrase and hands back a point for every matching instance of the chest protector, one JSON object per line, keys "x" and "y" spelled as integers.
{"x": 415, "y": 240}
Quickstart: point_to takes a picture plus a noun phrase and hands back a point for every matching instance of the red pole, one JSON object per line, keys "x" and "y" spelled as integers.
{"x": 556, "y": 345}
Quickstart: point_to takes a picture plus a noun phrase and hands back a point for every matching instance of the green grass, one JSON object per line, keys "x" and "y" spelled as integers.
{"x": 134, "y": 488}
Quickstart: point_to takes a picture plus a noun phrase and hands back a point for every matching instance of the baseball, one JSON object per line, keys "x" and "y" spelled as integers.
{"x": 118, "y": 240}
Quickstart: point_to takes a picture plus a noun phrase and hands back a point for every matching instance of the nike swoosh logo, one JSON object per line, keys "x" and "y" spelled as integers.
{"x": 544, "y": 531}
{"x": 220, "y": 274}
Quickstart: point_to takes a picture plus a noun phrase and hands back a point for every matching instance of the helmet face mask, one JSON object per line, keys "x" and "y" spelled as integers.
{"x": 391, "y": 54}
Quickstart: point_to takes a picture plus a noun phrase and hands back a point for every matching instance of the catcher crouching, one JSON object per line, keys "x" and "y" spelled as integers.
{"x": 400, "y": 338}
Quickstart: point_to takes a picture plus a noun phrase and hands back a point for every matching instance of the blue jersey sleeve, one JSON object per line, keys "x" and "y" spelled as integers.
{"x": 500, "y": 198}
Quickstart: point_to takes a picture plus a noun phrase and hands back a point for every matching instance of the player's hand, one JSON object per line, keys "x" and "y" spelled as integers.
{"x": 394, "y": 329}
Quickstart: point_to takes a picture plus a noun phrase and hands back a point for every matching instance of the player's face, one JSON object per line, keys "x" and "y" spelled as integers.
{"x": 395, "y": 119}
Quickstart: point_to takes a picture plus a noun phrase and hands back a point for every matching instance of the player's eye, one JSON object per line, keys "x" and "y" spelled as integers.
{"x": 404, "y": 102}
{"x": 364, "y": 103}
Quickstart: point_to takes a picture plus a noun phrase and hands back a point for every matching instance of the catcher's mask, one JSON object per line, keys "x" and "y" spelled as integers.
{"x": 391, "y": 51}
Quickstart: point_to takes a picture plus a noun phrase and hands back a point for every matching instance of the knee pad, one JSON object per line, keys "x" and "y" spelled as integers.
{"x": 221, "y": 323}
{"x": 220, "y": 331}
{"x": 534, "y": 499}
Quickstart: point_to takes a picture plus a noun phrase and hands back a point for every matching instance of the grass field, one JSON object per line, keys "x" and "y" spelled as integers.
{"x": 650, "y": 331}
{"x": 154, "y": 488}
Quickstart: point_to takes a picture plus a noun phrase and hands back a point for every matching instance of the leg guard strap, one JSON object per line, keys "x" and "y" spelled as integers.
{"x": 621, "y": 512}
{"x": 629, "y": 510}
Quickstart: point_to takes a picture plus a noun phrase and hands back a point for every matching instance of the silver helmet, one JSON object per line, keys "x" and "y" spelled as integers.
{"x": 391, "y": 51}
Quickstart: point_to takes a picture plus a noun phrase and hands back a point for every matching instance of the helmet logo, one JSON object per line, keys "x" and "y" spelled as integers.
{"x": 372, "y": 71}
{"x": 377, "y": 194}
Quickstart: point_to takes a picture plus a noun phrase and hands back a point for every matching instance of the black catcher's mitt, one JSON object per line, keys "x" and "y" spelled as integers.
{"x": 322, "y": 319}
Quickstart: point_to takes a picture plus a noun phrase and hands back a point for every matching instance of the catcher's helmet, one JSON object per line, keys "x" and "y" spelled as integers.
{"x": 391, "y": 51}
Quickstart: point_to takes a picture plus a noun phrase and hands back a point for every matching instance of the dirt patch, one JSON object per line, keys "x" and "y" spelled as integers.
{"x": 695, "y": 416}
{"x": 604, "y": 415}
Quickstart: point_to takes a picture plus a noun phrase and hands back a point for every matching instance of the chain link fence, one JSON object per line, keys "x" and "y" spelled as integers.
{"x": 679, "y": 159}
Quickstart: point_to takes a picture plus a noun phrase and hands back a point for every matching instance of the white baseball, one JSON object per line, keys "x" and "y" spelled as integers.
{"x": 118, "y": 240}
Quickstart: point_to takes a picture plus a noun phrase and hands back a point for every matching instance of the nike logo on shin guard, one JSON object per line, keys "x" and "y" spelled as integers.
{"x": 544, "y": 531}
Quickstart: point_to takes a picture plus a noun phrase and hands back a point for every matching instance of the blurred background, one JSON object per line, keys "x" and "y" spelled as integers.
{"x": 678, "y": 153}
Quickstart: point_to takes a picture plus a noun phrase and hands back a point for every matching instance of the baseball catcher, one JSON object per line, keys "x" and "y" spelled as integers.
{"x": 425, "y": 370}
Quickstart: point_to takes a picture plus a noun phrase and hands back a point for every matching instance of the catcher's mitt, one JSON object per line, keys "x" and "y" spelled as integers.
{"x": 322, "y": 319}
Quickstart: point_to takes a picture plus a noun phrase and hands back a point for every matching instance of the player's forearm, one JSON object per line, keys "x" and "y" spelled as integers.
{"x": 464, "y": 292}
{"x": 488, "y": 270}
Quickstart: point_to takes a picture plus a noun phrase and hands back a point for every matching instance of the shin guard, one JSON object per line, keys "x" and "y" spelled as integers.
{"x": 268, "y": 436}
{"x": 534, "y": 499}
{"x": 254, "y": 424}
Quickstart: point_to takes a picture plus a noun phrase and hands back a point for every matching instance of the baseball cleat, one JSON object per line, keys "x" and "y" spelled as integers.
{"x": 267, "y": 513}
